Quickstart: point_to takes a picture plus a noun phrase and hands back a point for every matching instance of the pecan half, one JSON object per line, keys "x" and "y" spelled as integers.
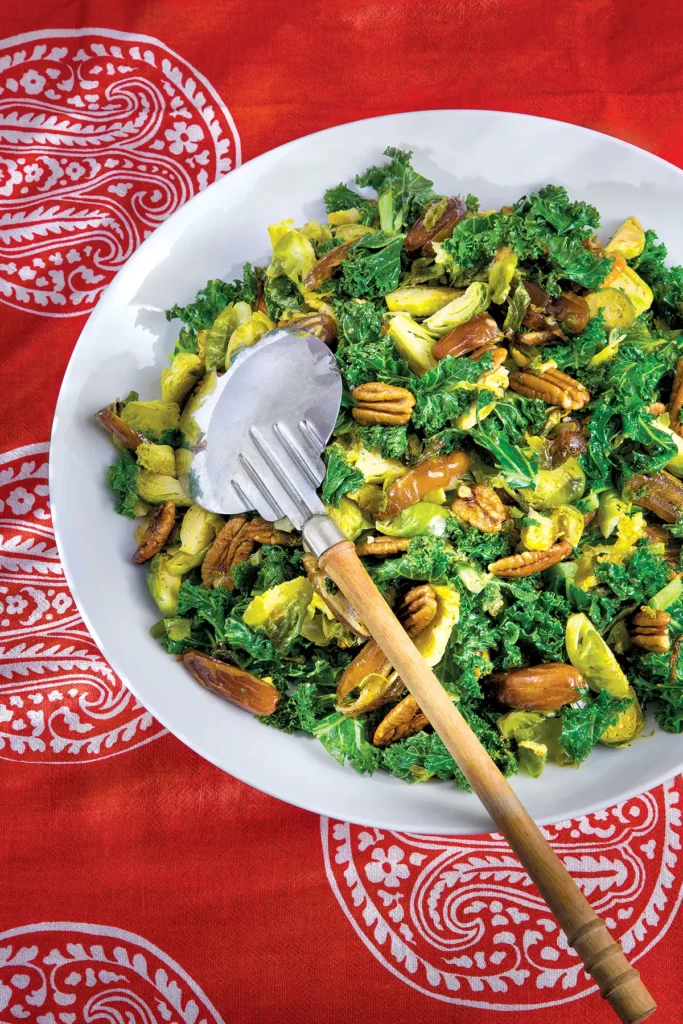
{"x": 651, "y": 629}
{"x": 676, "y": 400}
{"x": 658, "y": 535}
{"x": 402, "y": 721}
{"x": 337, "y": 603}
{"x": 156, "y": 534}
{"x": 326, "y": 266}
{"x": 265, "y": 533}
{"x": 382, "y": 546}
{"x": 551, "y": 386}
{"x": 440, "y": 471}
{"x": 418, "y": 608}
{"x": 480, "y": 330}
{"x": 126, "y": 435}
{"x": 421, "y": 237}
{"x": 529, "y": 562}
{"x": 322, "y": 325}
{"x": 233, "y": 545}
{"x": 480, "y": 506}
{"x": 233, "y": 684}
{"x": 382, "y": 404}
{"x": 537, "y": 688}
{"x": 659, "y": 492}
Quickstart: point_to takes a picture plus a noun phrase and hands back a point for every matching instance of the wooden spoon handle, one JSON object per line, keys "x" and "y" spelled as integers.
{"x": 586, "y": 933}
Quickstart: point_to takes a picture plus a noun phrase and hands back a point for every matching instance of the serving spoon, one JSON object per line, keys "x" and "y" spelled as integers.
{"x": 260, "y": 435}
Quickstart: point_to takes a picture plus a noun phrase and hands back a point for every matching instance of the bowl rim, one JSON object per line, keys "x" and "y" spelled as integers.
{"x": 315, "y": 806}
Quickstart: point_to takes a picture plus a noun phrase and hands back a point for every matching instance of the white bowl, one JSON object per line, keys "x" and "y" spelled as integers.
{"x": 127, "y": 340}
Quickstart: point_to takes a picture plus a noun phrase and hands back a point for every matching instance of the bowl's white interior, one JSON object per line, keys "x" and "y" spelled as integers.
{"x": 127, "y": 340}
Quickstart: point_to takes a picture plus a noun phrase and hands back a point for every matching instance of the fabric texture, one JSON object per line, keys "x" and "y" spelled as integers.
{"x": 138, "y": 882}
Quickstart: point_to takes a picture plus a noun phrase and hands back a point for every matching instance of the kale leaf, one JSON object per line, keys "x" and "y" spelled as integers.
{"x": 346, "y": 740}
{"x": 583, "y": 724}
{"x": 341, "y": 197}
{"x": 213, "y": 298}
{"x": 123, "y": 479}
{"x": 340, "y": 478}
{"x": 390, "y": 442}
{"x": 439, "y": 399}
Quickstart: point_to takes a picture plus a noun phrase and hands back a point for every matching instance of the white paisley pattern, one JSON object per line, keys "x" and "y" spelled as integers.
{"x": 103, "y": 134}
{"x": 64, "y": 973}
{"x": 458, "y": 918}
{"x": 59, "y": 699}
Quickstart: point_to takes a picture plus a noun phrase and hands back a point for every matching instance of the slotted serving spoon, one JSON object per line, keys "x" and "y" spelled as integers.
{"x": 261, "y": 432}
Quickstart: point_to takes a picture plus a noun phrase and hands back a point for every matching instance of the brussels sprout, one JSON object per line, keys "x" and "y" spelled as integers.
{"x": 338, "y": 217}
{"x": 520, "y": 725}
{"x": 280, "y": 611}
{"x": 637, "y": 290}
{"x": 374, "y": 467}
{"x": 617, "y": 311}
{"x": 151, "y": 417}
{"x": 437, "y": 497}
{"x": 183, "y": 465}
{"x": 188, "y": 427}
{"x": 176, "y": 628}
{"x": 610, "y": 510}
{"x": 501, "y": 273}
{"x": 181, "y": 562}
{"x": 350, "y": 232}
{"x": 676, "y": 464}
{"x": 532, "y": 757}
{"x": 321, "y": 626}
{"x": 628, "y": 240}
{"x": 668, "y": 595}
{"x": 420, "y": 301}
{"x": 214, "y": 342}
{"x": 590, "y": 654}
{"x": 247, "y": 334}
{"x": 198, "y": 529}
{"x": 278, "y": 230}
{"x": 629, "y": 725}
{"x": 159, "y": 458}
{"x": 561, "y": 486}
{"x": 163, "y": 586}
{"x": 316, "y": 232}
{"x": 157, "y": 488}
{"x": 177, "y": 381}
{"x": 433, "y": 640}
{"x": 369, "y": 498}
{"x": 418, "y": 520}
{"x": 349, "y": 518}
{"x": 569, "y": 524}
{"x": 293, "y": 256}
{"x": 413, "y": 342}
{"x": 538, "y": 532}
{"x": 460, "y": 310}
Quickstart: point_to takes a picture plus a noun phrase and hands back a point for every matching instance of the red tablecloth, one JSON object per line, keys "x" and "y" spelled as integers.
{"x": 138, "y": 883}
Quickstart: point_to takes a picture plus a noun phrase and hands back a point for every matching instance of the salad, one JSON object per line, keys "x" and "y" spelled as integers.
{"x": 508, "y": 460}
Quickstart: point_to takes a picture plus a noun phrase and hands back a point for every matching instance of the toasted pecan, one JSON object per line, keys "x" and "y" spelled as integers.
{"x": 378, "y": 403}
{"x": 383, "y": 546}
{"x": 405, "y": 719}
{"x": 529, "y": 562}
{"x": 418, "y": 609}
{"x": 234, "y": 544}
{"x": 650, "y": 629}
{"x": 481, "y": 507}
{"x": 551, "y": 386}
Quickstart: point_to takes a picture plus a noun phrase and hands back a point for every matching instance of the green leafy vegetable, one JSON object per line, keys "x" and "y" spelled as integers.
{"x": 123, "y": 479}
{"x": 340, "y": 478}
{"x": 583, "y": 724}
{"x": 346, "y": 740}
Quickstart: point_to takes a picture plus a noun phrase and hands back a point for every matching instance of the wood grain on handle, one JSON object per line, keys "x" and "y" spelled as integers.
{"x": 586, "y": 933}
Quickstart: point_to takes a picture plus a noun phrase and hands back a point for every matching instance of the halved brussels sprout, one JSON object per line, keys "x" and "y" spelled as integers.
{"x": 183, "y": 465}
{"x": 459, "y": 311}
{"x": 595, "y": 661}
{"x": 176, "y": 628}
{"x": 188, "y": 428}
{"x": 629, "y": 725}
{"x": 538, "y": 532}
{"x": 637, "y": 290}
{"x": 614, "y": 304}
{"x": 350, "y": 232}
{"x": 628, "y": 240}
{"x": 501, "y": 273}
{"x": 198, "y": 529}
{"x": 157, "y": 488}
{"x": 369, "y": 498}
{"x": 151, "y": 417}
{"x": 213, "y": 343}
{"x": 561, "y": 486}
{"x": 532, "y": 757}
{"x": 321, "y": 626}
{"x": 418, "y": 520}
{"x": 569, "y": 524}
{"x": 316, "y": 232}
{"x": 420, "y": 301}
{"x": 413, "y": 342}
{"x": 349, "y": 518}
{"x": 279, "y": 229}
{"x": 374, "y": 467}
{"x": 159, "y": 458}
{"x": 433, "y": 640}
{"x": 668, "y": 595}
{"x": 437, "y": 497}
{"x": 293, "y": 256}
{"x": 181, "y": 562}
{"x": 351, "y": 216}
{"x": 247, "y": 334}
{"x": 182, "y": 376}
{"x": 280, "y": 611}
{"x": 163, "y": 585}
{"x": 535, "y": 727}
{"x": 610, "y": 510}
